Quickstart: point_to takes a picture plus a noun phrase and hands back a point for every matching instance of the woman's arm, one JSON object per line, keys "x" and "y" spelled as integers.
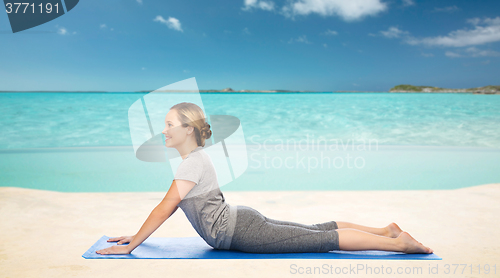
{"x": 178, "y": 190}
{"x": 175, "y": 209}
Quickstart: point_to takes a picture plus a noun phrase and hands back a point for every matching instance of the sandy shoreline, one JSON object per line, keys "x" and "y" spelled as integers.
{"x": 45, "y": 233}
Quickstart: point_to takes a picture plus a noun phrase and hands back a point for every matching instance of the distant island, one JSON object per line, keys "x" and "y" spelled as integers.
{"x": 229, "y": 90}
{"x": 429, "y": 89}
{"x": 405, "y": 88}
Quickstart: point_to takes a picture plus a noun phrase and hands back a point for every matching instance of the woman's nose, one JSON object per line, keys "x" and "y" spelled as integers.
{"x": 166, "y": 130}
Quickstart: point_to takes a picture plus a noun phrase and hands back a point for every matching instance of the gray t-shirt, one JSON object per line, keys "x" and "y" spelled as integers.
{"x": 204, "y": 205}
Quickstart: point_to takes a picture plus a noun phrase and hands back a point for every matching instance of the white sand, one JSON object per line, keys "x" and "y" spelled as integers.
{"x": 44, "y": 233}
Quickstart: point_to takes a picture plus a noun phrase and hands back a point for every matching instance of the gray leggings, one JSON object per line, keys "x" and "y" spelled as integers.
{"x": 255, "y": 233}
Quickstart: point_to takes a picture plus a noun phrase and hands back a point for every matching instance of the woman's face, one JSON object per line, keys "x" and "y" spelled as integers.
{"x": 175, "y": 133}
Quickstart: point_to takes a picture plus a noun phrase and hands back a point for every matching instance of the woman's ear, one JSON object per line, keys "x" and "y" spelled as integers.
{"x": 190, "y": 130}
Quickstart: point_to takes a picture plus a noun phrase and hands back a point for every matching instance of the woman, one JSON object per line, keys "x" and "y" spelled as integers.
{"x": 222, "y": 226}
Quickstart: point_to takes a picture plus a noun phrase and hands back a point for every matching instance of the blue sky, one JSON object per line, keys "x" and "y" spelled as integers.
{"x": 318, "y": 45}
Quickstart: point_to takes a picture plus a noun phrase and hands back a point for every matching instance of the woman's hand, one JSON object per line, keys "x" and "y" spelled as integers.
{"x": 122, "y": 239}
{"x": 115, "y": 249}
{"x": 159, "y": 214}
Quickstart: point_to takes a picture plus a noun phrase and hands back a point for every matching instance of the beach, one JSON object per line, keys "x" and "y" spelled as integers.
{"x": 44, "y": 233}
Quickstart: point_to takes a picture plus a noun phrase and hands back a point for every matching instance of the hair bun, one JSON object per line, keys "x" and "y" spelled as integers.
{"x": 205, "y": 131}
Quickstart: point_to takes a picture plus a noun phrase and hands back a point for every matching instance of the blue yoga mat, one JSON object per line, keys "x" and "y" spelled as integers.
{"x": 197, "y": 248}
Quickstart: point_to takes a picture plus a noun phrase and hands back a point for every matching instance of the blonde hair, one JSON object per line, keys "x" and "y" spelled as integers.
{"x": 191, "y": 114}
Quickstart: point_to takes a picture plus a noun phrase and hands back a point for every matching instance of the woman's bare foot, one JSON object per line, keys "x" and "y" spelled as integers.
{"x": 393, "y": 230}
{"x": 411, "y": 245}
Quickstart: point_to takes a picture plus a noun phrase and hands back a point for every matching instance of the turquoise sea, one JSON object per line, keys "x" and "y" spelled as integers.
{"x": 81, "y": 142}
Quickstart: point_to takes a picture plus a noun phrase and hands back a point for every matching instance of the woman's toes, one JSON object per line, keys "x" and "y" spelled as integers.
{"x": 410, "y": 245}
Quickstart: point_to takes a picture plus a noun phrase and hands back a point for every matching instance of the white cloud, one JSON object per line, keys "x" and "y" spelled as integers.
{"x": 486, "y": 30}
{"x": 325, "y": 45}
{"x": 104, "y": 26}
{"x": 472, "y": 52}
{"x": 330, "y": 32}
{"x": 452, "y": 54}
{"x": 492, "y": 21}
{"x": 143, "y": 68}
{"x": 474, "y": 21}
{"x": 139, "y": 1}
{"x": 394, "y": 32}
{"x": 481, "y": 53}
{"x": 302, "y": 39}
{"x": 62, "y": 31}
{"x": 172, "y": 23}
{"x": 408, "y": 3}
{"x": 258, "y": 4}
{"x": 488, "y": 33}
{"x": 348, "y": 10}
{"x": 449, "y": 9}
{"x": 245, "y": 30}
